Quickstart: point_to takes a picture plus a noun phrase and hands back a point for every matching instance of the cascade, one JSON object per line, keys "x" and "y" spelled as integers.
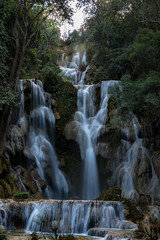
{"x": 89, "y": 123}
{"x": 125, "y": 174}
{"x": 70, "y": 216}
{"x": 71, "y": 69}
{"x": 36, "y": 137}
{"x": 89, "y": 126}
{"x": 40, "y": 143}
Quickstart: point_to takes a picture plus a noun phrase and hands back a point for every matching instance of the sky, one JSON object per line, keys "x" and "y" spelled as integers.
{"x": 78, "y": 20}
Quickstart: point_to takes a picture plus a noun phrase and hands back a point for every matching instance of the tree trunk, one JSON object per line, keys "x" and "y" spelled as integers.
{"x": 21, "y": 60}
{"x": 14, "y": 65}
{"x": 4, "y": 121}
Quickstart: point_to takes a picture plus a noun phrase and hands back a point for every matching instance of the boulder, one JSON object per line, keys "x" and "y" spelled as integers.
{"x": 57, "y": 115}
{"x": 27, "y": 179}
{"x": 54, "y": 103}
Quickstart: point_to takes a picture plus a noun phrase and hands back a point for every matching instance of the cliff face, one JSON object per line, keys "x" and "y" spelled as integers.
{"x": 128, "y": 158}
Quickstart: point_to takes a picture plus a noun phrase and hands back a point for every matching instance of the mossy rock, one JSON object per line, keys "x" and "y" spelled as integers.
{"x": 67, "y": 237}
{"x": 13, "y": 182}
{"x": 113, "y": 137}
{"x": 133, "y": 213}
{"x": 67, "y": 104}
{"x": 3, "y": 164}
{"x": 6, "y": 188}
{"x": 112, "y": 194}
{"x": 21, "y": 195}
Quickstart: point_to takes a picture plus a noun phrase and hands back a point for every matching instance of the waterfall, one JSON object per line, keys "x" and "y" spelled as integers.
{"x": 137, "y": 155}
{"x": 70, "y": 216}
{"x": 40, "y": 143}
{"x": 89, "y": 123}
{"x": 71, "y": 69}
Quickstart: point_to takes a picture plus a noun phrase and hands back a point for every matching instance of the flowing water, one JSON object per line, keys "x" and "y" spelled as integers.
{"x": 89, "y": 122}
{"x": 69, "y": 216}
{"x": 136, "y": 157}
{"x": 40, "y": 142}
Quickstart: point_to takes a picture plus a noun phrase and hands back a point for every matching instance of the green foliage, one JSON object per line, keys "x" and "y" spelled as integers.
{"x": 3, "y": 233}
{"x": 112, "y": 194}
{"x": 72, "y": 38}
{"x": 21, "y": 195}
{"x": 8, "y": 96}
{"x": 3, "y": 51}
{"x": 51, "y": 77}
{"x": 140, "y": 96}
{"x": 144, "y": 53}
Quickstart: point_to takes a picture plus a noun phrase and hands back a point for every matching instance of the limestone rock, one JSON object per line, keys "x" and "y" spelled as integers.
{"x": 156, "y": 163}
{"x": 41, "y": 182}
{"x": 103, "y": 149}
{"x": 57, "y": 115}
{"x": 71, "y": 131}
{"x": 29, "y": 182}
{"x": 13, "y": 182}
{"x": 6, "y": 191}
{"x": 54, "y": 103}
{"x": 27, "y": 179}
{"x": 127, "y": 225}
{"x": 3, "y": 165}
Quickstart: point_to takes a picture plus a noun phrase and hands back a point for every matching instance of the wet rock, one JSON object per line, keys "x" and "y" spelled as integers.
{"x": 41, "y": 182}
{"x": 29, "y": 159}
{"x": 103, "y": 149}
{"x": 27, "y": 179}
{"x": 71, "y": 131}
{"x": 127, "y": 225}
{"x": 156, "y": 163}
{"x": 61, "y": 163}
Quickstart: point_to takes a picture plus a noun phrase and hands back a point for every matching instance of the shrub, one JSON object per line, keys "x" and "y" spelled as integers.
{"x": 21, "y": 195}
{"x": 3, "y": 233}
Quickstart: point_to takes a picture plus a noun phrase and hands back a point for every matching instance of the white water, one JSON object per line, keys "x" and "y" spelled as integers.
{"x": 70, "y": 216}
{"x": 126, "y": 175}
{"x": 71, "y": 69}
{"x": 89, "y": 123}
{"x": 40, "y": 143}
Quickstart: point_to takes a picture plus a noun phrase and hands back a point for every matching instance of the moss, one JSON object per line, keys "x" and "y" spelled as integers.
{"x": 10, "y": 178}
{"x": 21, "y": 195}
{"x": 114, "y": 194}
{"x": 67, "y": 104}
{"x": 133, "y": 213}
{"x": 6, "y": 187}
{"x": 3, "y": 165}
{"x": 112, "y": 137}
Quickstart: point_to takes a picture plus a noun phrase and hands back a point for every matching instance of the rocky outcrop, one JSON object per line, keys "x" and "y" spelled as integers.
{"x": 71, "y": 131}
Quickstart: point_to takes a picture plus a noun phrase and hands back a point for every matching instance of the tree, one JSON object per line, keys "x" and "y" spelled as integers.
{"x": 26, "y": 18}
